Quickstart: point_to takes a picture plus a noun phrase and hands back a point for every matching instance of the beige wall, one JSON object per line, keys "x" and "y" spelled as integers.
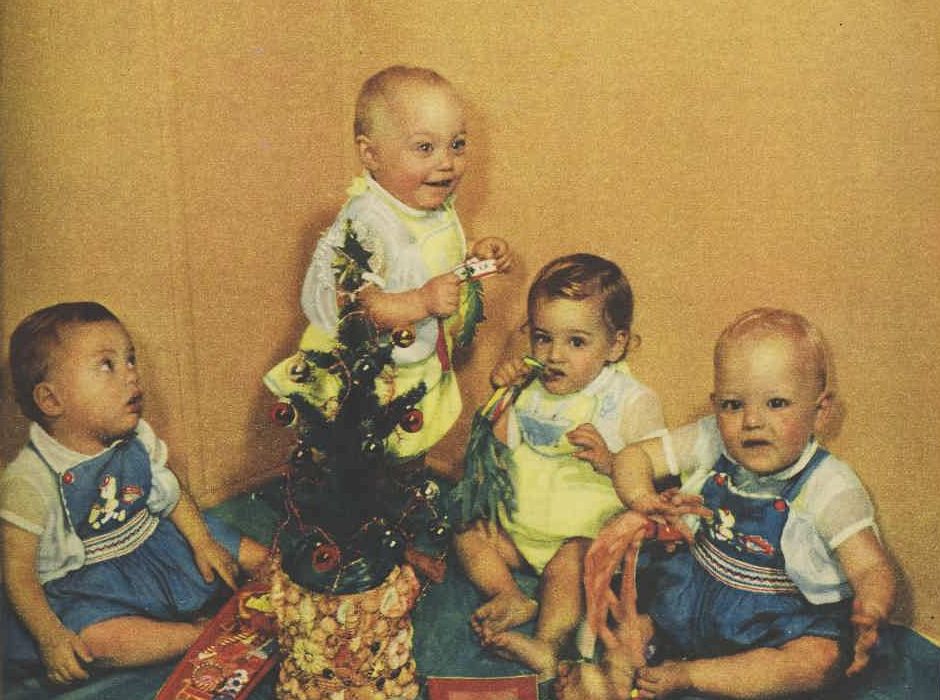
{"x": 176, "y": 162}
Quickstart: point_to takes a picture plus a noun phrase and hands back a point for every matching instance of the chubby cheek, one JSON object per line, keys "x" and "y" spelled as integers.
{"x": 539, "y": 351}
{"x": 729, "y": 427}
{"x": 794, "y": 433}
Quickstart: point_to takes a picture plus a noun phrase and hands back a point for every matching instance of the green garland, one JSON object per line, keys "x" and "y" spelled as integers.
{"x": 472, "y": 313}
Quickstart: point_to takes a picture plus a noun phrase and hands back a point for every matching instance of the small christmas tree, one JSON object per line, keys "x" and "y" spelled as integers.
{"x": 350, "y": 510}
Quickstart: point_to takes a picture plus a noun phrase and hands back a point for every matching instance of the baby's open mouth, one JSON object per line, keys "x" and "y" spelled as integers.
{"x": 440, "y": 183}
{"x": 755, "y": 443}
{"x": 136, "y": 401}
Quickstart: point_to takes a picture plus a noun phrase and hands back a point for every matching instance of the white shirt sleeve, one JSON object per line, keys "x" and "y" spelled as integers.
{"x": 23, "y": 502}
{"x": 318, "y": 295}
{"x": 836, "y": 502}
{"x": 164, "y": 486}
{"x": 831, "y": 507}
{"x": 692, "y": 449}
{"x": 642, "y": 417}
{"x": 378, "y": 233}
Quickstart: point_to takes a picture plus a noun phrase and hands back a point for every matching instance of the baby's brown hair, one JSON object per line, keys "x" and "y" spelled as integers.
{"x": 35, "y": 338}
{"x": 583, "y": 275}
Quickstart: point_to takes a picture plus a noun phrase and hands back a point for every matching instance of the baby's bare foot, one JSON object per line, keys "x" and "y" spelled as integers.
{"x": 503, "y": 612}
{"x": 582, "y": 681}
{"x": 620, "y": 674}
{"x": 528, "y": 651}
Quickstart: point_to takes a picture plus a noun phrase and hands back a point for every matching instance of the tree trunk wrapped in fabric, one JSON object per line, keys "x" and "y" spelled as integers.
{"x": 357, "y": 644}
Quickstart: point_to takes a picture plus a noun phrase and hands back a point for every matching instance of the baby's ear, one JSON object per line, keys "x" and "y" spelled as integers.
{"x": 367, "y": 154}
{"x": 46, "y": 398}
{"x": 619, "y": 346}
{"x": 823, "y": 410}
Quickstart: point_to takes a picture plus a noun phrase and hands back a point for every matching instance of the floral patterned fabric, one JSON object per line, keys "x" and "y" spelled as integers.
{"x": 355, "y": 646}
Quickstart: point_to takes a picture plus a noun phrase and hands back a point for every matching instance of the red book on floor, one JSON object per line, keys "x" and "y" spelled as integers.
{"x": 505, "y": 688}
{"x": 233, "y": 653}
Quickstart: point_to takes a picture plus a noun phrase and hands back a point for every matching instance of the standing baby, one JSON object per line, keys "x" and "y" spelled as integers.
{"x": 411, "y": 138}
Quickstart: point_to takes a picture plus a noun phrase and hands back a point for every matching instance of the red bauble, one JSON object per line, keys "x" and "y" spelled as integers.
{"x": 412, "y": 421}
{"x": 283, "y": 413}
{"x": 325, "y": 557}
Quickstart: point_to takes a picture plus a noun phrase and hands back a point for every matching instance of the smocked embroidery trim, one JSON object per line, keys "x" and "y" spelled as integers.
{"x": 739, "y": 574}
{"x": 122, "y": 541}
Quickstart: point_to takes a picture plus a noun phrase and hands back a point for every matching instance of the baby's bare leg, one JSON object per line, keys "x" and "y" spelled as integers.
{"x": 804, "y": 665}
{"x": 560, "y": 606}
{"x": 488, "y": 556}
{"x": 627, "y": 655}
{"x": 254, "y": 558}
{"x": 562, "y": 594}
{"x": 138, "y": 641}
{"x": 613, "y": 678}
{"x": 583, "y": 681}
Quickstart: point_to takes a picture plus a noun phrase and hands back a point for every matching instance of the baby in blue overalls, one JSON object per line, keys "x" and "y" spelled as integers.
{"x": 106, "y": 558}
{"x": 787, "y": 579}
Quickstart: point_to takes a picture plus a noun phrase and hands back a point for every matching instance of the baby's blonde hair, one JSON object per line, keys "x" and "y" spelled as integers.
{"x": 378, "y": 89}
{"x": 766, "y": 322}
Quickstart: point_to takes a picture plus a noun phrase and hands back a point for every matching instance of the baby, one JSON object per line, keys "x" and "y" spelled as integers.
{"x": 106, "y": 558}
{"x": 411, "y": 137}
{"x": 764, "y": 602}
{"x": 563, "y": 431}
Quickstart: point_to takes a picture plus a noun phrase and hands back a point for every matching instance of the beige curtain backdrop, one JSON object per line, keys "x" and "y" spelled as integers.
{"x": 177, "y": 160}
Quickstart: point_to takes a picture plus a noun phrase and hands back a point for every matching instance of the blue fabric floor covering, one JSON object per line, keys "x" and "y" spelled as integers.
{"x": 904, "y": 666}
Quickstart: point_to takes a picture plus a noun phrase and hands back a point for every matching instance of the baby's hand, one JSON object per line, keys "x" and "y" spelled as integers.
{"x": 671, "y": 505}
{"x": 441, "y": 295}
{"x": 664, "y": 680}
{"x": 509, "y": 373}
{"x": 212, "y": 557}
{"x": 593, "y": 448}
{"x": 63, "y": 655}
{"x": 866, "y": 621}
{"x": 493, "y": 248}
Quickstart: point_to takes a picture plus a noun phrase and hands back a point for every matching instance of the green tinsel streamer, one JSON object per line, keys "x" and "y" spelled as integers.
{"x": 473, "y": 314}
{"x": 486, "y": 481}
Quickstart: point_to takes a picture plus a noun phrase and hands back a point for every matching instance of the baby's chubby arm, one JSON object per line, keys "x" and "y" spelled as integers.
{"x": 633, "y": 473}
{"x": 62, "y": 651}
{"x": 636, "y": 468}
{"x": 439, "y": 296}
{"x": 209, "y": 555}
{"x": 872, "y": 577}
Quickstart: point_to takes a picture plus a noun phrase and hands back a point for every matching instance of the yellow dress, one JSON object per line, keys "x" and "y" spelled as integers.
{"x": 558, "y": 495}
{"x": 409, "y": 246}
